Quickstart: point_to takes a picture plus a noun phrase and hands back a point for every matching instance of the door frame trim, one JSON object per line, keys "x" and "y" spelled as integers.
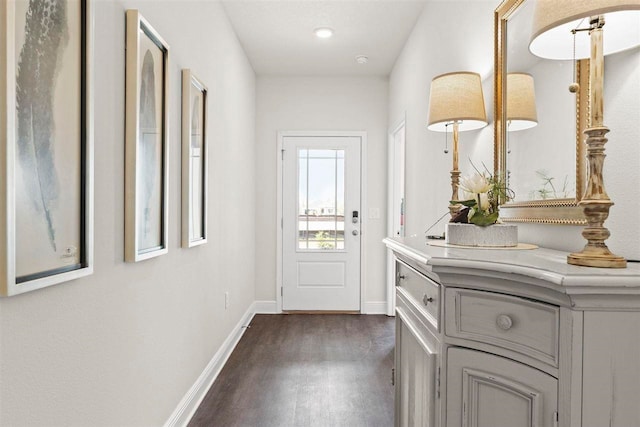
{"x": 391, "y": 165}
{"x": 363, "y": 204}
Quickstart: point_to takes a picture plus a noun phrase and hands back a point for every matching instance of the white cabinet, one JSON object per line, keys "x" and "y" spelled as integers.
{"x": 514, "y": 338}
{"x": 484, "y": 390}
{"x": 416, "y": 366}
{"x": 417, "y": 348}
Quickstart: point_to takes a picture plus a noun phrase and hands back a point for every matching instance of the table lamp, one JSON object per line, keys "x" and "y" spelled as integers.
{"x": 613, "y": 26}
{"x": 456, "y": 100}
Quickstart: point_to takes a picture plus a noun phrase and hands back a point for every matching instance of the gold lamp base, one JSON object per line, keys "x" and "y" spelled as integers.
{"x": 455, "y": 173}
{"x": 596, "y": 253}
{"x": 596, "y": 205}
{"x": 596, "y": 202}
{"x": 455, "y": 182}
{"x": 601, "y": 258}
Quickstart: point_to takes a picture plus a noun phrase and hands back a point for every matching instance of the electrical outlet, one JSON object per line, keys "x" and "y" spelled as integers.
{"x": 226, "y": 300}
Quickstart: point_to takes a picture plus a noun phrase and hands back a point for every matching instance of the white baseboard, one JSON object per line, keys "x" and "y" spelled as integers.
{"x": 374, "y": 307}
{"x": 271, "y": 307}
{"x": 265, "y": 307}
{"x": 190, "y": 402}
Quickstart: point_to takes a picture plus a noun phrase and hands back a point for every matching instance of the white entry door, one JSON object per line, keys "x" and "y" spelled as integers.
{"x": 321, "y": 223}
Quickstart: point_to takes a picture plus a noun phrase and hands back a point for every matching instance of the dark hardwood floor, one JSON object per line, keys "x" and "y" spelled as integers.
{"x": 306, "y": 370}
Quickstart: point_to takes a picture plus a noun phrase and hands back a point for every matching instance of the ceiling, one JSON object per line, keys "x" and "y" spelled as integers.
{"x": 278, "y": 37}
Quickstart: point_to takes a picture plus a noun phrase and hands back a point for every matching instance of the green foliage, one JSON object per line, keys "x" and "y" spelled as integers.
{"x": 482, "y": 219}
{"x": 548, "y": 189}
{"x": 468, "y": 203}
{"x": 324, "y": 240}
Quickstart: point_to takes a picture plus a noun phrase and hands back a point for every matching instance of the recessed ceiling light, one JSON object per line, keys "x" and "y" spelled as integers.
{"x": 323, "y": 32}
{"x": 362, "y": 59}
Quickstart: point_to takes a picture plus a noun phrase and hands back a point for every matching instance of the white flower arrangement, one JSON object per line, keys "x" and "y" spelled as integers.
{"x": 482, "y": 194}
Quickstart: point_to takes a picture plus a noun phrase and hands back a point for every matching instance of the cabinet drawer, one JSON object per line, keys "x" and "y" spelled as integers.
{"x": 423, "y": 290}
{"x": 514, "y": 323}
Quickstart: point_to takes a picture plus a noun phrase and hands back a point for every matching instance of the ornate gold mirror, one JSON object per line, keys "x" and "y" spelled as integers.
{"x": 539, "y": 143}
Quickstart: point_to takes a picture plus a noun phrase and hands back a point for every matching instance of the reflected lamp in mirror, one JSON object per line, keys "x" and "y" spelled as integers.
{"x": 521, "y": 102}
{"x": 456, "y": 100}
{"x": 613, "y": 26}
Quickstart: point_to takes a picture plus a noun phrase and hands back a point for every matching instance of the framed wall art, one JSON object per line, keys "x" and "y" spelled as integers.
{"x": 194, "y": 160}
{"x": 146, "y": 145}
{"x": 46, "y": 143}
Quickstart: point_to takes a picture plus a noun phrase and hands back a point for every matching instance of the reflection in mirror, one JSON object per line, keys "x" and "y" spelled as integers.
{"x": 539, "y": 148}
{"x": 541, "y": 159}
{"x": 521, "y": 102}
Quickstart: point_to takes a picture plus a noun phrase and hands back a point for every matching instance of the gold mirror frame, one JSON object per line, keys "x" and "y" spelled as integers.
{"x": 548, "y": 211}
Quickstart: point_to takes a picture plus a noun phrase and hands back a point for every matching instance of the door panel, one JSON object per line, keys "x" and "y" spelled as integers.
{"x": 484, "y": 390}
{"x": 321, "y": 223}
{"x": 321, "y": 274}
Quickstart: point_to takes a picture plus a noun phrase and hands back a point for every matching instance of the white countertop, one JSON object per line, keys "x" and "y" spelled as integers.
{"x": 543, "y": 264}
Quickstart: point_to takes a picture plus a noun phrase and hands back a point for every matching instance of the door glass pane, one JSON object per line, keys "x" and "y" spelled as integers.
{"x": 320, "y": 199}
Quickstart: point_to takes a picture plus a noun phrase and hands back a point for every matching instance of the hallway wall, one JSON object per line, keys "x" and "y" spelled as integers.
{"x": 437, "y": 46}
{"x": 321, "y": 103}
{"x": 123, "y": 346}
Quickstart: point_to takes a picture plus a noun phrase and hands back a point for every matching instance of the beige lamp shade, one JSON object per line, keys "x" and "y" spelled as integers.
{"x": 521, "y": 102}
{"x": 553, "y": 21}
{"x": 456, "y": 97}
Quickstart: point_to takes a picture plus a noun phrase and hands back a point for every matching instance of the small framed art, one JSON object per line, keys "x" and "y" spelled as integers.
{"x": 46, "y": 144}
{"x": 146, "y": 140}
{"x": 194, "y": 160}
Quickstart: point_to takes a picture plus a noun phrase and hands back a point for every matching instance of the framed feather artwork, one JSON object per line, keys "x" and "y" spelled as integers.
{"x": 146, "y": 141}
{"x": 194, "y": 160}
{"x": 46, "y": 143}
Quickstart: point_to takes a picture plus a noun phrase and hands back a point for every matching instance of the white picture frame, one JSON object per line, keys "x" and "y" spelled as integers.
{"x": 146, "y": 140}
{"x": 195, "y": 153}
{"x": 46, "y": 145}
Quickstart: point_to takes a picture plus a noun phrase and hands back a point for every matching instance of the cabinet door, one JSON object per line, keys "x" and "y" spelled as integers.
{"x": 484, "y": 390}
{"x": 415, "y": 376}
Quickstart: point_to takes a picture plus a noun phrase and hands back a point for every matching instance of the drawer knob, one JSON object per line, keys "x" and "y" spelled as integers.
{"x": 426, "y": 299}
{"x": 504, "y": 322}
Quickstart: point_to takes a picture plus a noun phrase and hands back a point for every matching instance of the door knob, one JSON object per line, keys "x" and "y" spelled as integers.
{"x": 355, "y": 232}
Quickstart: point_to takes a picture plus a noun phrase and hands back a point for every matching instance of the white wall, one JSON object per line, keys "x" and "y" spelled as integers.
{"x": 124, "y": 345}
{"x": 320, "y": 103}
{"x": 436, "y": 46}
